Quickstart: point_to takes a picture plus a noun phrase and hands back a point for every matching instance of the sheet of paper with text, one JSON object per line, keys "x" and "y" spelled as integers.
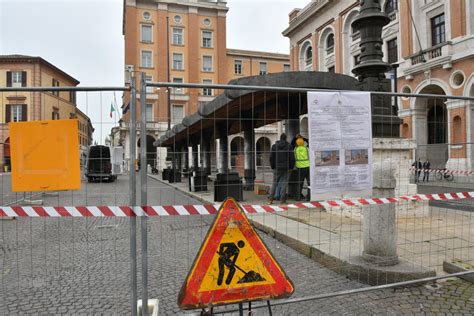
{"x": 340, "y": 144}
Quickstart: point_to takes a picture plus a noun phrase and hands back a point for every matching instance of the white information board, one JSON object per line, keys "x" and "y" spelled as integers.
{"x": 340, "y": 144}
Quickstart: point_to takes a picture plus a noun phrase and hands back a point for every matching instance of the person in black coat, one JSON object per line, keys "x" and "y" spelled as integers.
{"x": 426, "y": 171}
{"x": 282, "y": 161}
{"x": 418, "y": 166}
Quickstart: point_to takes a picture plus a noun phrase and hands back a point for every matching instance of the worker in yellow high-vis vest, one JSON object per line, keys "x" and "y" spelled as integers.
{"x": 302, "y": 166}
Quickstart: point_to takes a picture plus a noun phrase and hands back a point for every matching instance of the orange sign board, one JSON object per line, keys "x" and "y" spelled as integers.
{"x": 233, "y": 265}
{"x": 45, "y": 155}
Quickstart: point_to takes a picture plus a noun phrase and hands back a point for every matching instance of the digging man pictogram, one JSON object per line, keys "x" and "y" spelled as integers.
{"x": 228, "y": 254}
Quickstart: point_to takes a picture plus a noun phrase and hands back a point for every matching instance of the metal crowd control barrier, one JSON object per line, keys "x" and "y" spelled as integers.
{"x": 433, "y": 225}
{"x": 45, "y": 94}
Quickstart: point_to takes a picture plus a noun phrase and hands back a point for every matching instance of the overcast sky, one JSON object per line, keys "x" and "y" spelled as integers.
{"x": 84, "y": 39}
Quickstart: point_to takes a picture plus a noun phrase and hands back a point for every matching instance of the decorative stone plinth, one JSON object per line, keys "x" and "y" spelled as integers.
{"x": 393, "y": 154}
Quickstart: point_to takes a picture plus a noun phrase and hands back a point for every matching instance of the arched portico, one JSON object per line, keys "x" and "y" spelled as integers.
{"x": 430, "y": 126}
{"x": 263, "y": 151}
{"x": 237, "y": 154}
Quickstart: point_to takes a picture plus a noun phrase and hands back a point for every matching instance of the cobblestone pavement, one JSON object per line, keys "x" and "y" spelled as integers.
{"x": 81, "y": 266}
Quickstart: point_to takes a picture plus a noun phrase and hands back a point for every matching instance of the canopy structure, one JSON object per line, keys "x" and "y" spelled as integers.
{"x": 233, "y": 107}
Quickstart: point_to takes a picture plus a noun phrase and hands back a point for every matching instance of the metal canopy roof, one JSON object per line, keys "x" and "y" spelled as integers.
{"x": 233, "y": 107}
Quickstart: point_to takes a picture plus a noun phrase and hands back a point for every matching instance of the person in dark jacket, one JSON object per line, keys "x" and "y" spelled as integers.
{"x": 282, "y": 161}
{"x": 418, "y": 166}
{"x": 426, "y": 170}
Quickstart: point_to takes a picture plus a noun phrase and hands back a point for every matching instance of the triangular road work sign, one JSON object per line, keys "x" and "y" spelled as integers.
{"x": 233, "y": 265}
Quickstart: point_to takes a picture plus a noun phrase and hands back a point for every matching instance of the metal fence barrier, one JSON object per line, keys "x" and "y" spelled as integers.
{"x": 90, "y": 264}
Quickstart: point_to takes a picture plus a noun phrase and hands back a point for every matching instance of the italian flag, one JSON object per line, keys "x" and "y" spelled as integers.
{"x": 112, "y": 109}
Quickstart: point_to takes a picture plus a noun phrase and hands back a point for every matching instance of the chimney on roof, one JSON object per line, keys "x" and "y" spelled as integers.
{"x": 293, "y": 14}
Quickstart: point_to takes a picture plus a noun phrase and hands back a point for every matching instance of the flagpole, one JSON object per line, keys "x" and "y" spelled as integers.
{"x": 115, "y": 106}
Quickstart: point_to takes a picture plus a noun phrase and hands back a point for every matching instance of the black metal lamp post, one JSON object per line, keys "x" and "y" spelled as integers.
{"x": 371, "y": 69}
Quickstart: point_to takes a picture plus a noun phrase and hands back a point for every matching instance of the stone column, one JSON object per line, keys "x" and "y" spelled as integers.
{"x": 223, "y": 164}
{"x": 379, "y": 221}
{"x": 173, "y": 155}
{"x": 249, "y": 153}
{"x": 185, "y": 153}
{"x": 378, "y": 226}
{"x": 179, "y": 157}
{"x": 206, "y": 152}
{"x": 195, "y": 156}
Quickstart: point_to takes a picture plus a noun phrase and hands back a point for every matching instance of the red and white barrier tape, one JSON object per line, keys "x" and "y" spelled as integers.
{"x": 178, "y": 210}
{"x": 443, "y": 171}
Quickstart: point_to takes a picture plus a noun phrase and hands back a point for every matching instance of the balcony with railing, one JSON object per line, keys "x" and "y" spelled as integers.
{"x": 430, "y": 54}
{"x": 155, "y": 125}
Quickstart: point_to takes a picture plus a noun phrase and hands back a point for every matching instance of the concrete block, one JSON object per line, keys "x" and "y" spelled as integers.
{"x": 459, "y": 266}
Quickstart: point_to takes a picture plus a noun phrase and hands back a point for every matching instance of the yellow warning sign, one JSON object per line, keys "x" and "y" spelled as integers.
{"x": 233, "y": 262}
{"x": 233, "y": 265}
{"x": 45, "y": 155}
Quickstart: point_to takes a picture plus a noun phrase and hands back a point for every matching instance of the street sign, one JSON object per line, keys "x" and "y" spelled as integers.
{"x": 233, "y": 265}
{"x": 45, "y": 155}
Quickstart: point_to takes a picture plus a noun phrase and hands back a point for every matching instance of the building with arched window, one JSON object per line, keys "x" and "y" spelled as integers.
{"x": 430, "y": 40}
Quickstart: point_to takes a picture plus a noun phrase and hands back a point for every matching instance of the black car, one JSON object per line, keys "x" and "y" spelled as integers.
{"x": 99, "y": 164}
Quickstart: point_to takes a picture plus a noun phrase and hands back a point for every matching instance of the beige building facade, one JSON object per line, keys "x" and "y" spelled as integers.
{"x": 29, "y": 71}
{"x": 432, "y": 42}
{"x": 188, "y": 39}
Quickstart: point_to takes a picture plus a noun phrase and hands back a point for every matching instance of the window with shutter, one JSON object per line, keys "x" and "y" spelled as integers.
{"x": 24, "y": 113}
{"x": 9, "y": 78}
{"x": 8, "y": 113}
{"x": 23, "y": 78}
{"x": 55, "y": 83}
{"x": 72, "y": 97}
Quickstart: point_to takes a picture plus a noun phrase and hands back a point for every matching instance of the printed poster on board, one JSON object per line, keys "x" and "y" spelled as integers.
{"x": 340, "y": 144}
